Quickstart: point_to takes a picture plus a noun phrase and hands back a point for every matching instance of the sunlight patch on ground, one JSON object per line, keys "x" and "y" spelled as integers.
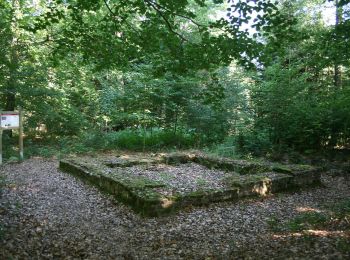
{"x": 307, "y": 209}
{"x": 317, "y": 233}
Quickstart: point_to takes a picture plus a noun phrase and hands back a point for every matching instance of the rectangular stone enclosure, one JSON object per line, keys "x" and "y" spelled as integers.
{"x": 155, "y": 185}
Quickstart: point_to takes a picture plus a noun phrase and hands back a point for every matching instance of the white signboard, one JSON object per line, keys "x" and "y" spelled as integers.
{"x": 9, "y": 120}
{"x": 12, "y": 120}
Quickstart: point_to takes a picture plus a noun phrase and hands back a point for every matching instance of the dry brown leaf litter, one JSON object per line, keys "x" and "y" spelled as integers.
{"x": 48, "y": 214}
{"x": 183, "y": 178}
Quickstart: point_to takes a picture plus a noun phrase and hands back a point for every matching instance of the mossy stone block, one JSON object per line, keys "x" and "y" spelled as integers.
{"x": 143, "y": 194}
{"x": 259, "y": 184}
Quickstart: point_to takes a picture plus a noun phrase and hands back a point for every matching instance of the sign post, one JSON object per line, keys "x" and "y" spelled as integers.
{"x": 21, "y": 156}
{"x": 0, "y": 145}
{"x": 12, "y": 120}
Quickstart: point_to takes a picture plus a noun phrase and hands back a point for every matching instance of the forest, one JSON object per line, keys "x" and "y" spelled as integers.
{"x": 175, "y": 129}
{"x": 240, "y": 78}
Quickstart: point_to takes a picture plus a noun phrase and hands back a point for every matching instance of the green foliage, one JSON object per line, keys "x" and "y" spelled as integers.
{"x": 329, "y": 217}
{"x": 136, "y": 140}
{"x": 152, "y": 139}
{"x": 274, "y": 224}
{"x": 288, "y": 110}
{"x": 306, "y": 221}
{"x": 297, "y": 101}
{"x": 343, "y": 245}
{"x": 127, "y": 67}
{"x": 227, "y": 148}
{"x": 341, "y": 209}
{"x": 111, "y": 34}
{"x": 255, "y": 142}
{"x": 201, "y": 183}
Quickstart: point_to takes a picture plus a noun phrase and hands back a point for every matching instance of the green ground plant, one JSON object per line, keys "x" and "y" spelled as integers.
{"x": 201, "y": 183}
{"x": 149, "y": 140}
{"x": 307, "y": 220}
{"x": 329, "y": 215}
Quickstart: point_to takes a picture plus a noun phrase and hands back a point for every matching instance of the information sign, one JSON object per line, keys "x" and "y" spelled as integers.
{"x": 9, "y": 120}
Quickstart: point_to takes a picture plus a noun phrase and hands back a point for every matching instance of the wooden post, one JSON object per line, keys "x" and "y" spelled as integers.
{"x": 0, "y": 145}
{"x": 21, "y": 156}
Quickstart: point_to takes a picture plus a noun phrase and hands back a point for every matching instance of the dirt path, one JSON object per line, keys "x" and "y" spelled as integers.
{"x": 48, "y": 214}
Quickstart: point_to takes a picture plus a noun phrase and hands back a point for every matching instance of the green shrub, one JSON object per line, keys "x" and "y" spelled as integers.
{"x": 153, "y": 139}
{"x": 243, "y": 145}
{"x": 137, "y": 140}
{"x": 225, "y": 149}
{"x": 255, "y": 142}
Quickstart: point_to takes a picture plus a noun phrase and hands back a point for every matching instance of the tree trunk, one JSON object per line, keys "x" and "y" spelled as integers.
{"x": 338, "y": 20}
{"x": 11, "y": 88}
{"x": 10, "y": 102}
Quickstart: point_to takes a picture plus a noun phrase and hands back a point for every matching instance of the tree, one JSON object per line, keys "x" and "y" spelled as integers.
{"x": 115, "y": 34}
{"x": 293, "y": 99}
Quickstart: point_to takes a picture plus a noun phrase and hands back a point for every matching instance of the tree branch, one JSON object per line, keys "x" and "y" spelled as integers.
{"x": 109, "y": 9}
{"x": 122, "y": 20}
{"x": 155, "y": 7}
{"x": 176, "y": 14}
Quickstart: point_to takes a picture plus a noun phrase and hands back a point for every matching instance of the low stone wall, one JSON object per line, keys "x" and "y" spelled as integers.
{"x": 254, "y": 179}
{"x": 303, "y": 175}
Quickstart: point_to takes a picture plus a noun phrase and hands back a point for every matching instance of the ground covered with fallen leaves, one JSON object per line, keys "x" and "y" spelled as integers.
{"x": 47, "y": 214}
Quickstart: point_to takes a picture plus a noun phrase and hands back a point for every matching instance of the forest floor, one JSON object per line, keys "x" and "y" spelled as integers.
{"x": 47, "y": 214}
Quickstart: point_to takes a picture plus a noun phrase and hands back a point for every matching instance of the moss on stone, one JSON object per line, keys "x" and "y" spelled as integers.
{"x": 243, "y": 181}
{"x": 120, "y": 162}
{"x": 281, "y": 168}
{"x": 260, "y": 184}
{"x": 178, "y": 158}
{"x": 247, "y": 179}
{"x": 141, "y": 183}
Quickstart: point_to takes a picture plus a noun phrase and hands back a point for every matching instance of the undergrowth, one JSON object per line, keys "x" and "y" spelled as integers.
{"x": 132, "y": 140}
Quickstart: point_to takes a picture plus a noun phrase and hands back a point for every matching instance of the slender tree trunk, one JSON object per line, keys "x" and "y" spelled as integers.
{"x": 11, "y": 88}
{"x": 175, "y": 126}
{"x": 14, "y": 60}
{"x": 338, "y": 20}
{"x": 10, "y": 102}
{"x": 337, "y": 71}
{"x": 13, "y": 75}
